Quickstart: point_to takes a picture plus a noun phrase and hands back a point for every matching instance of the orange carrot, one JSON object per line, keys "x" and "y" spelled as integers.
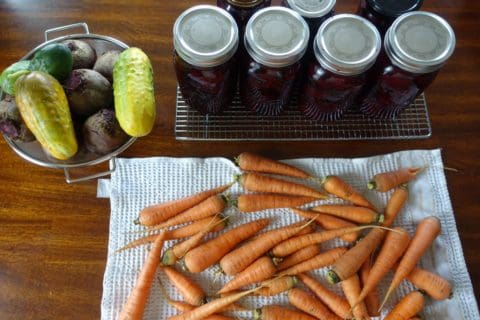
{"x": 388, "y": 180}
{"x": 321, "y": 260}
{"x": 310, "y": 305}
{"x": 351, "y": 289}
{"x": 262, "y": 201}
{"x": 336, "y": 186}
{"x": 212, "y": 251}
{"x": 211, "y": 307}
{"x": 135, "y": 305}
{"x": 395, "y": 204}
{"x": 427, "y": 230}
{"x": 372, "y": 299}
{"x": 434, "y": 285}
{"x": 276, "y": 286}
{"x": 299, "y": 256}
{"x": 408, "y": 307}
{"x": 329, "y": 222}
{"x": 207, "y": 208}
{"x": 274, "y": 312}
{"x": 249, "y": 161}
{"x": 240, "y": 258}
{"x": 184, "y": 307}
{"x": 158, "y": 213}
{"x": 351, "y": 213}
{"x": 393, "y": 247}
{"x": 336, "y": 303}
{"x": 262, "y": 269}
{"x": 189, "y": 290}
{"x": 259, "y": 183}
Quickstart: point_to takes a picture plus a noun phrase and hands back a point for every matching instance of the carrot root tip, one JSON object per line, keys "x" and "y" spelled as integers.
{"x": 257, "y": 314}
{"x": 371, "y": 185}
{"x": 276, "y": 260}
{"x": 136, "y": 221}
{"x": 332, "y": 277}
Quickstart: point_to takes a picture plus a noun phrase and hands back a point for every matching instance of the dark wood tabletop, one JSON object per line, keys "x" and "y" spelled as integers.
{"x": 53, "y": 235}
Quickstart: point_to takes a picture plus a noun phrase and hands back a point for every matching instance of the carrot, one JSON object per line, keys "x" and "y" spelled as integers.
{"x": 262, "y": 201}
{"x": 372, "y": 299}
{"x": 240, "y": 258}
{"x": 336, "y": 303}
{"x": 321, "y": 260}
{"x": 310, "y": 305}
{"x": 274, "y": 312}
{"x": 351, "y": 262}
{"x": 299, "y": 256}
{"x": 211, "y": 307}
{"x": 207, "y": 208}
{"x": 249, "y": 161}
{"x": 135, "y": 305}
{"x": 336, "y": 186}
{"x": 276, "y": 286}
{"x": 427, "y": 230}
{"x": 351, "y": 213}
{"x": 184, "y": 307}
{"x": 329, "y": 222}
{"x": 158, "y": 213}
{"x": 393, "y": 247}
{"x": 408, "y": 307}
{"x": 294, "y": 244}
{"x": 351, "y": 289}
{"x": 189, "y": 290}
{"x": 434, "y": 285}
{"x": 415, "y": 318}
{"x": 178, "y": 251}
{"x": 259, "y": 183}
{"x": 388, "y": 180}
{"x": 205, "y": 255}
{"x": 262, "y": 269}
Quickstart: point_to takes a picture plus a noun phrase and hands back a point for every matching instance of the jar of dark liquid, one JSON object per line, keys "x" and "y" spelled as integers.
{"x": 345, "y": 47}
{"x": 242, "y": 10}
{"x": 275, "y": 40}
{"x": 205, "y": 39}
{"x": 382, "y": 13}
{"x": 416, "y": 46}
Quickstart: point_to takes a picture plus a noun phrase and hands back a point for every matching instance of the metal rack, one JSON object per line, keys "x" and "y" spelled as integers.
{"x": 238, "y": 123}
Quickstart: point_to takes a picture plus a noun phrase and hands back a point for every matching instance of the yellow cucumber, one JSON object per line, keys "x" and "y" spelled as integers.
{"x": 44, "y": 108}
{"x": 133, "y": 92}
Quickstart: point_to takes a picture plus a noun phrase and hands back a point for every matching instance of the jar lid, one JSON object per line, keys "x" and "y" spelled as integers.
{"x": 312, "y": 8}
{"x": 394, "y": 8}
{"x": 244, "y": 3}
{"x": 419, "y": 42}
{"x": 347, "y": 44}
{"x": 205, "y": 36}
{"x": 276, "y": 36}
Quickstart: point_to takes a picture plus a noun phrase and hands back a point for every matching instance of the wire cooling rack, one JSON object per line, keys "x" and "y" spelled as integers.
{"x": 238, "y": 123}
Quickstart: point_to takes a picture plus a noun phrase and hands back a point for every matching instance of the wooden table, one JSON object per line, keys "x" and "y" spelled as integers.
{"x": 53, "y": 236}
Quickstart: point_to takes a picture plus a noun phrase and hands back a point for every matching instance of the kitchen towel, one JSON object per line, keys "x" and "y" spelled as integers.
{"x": 139, "y": 182}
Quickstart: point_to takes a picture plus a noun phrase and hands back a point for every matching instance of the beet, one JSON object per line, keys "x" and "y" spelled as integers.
{"x": 105, "y": 62}
{"x": 102, "y": 133}
{"x": 82, "y": 53}
{"x": 11, "y": 122}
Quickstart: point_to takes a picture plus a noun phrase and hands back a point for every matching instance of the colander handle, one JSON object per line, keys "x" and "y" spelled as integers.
{"x": 112, "y": 167}
{"x": 82, "y": 25}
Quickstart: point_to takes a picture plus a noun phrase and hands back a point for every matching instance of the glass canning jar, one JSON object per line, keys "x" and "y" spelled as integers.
{"x": 382, "y": 13}
{"x": 275, "y": 40}
{"x": 345, "y": 47}
{"x": 416, "y": 46}
{"x": 242, "y": 10}
{"x": 205, "y": 40}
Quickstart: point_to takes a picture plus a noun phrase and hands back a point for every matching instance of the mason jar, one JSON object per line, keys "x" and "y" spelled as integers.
{"x": 416, "y": 47}
{"x": 275, "y": 41}
{"x": 345, "y": 48}
{"x": 205, "y": 40}
{"x": 242, "y": 10}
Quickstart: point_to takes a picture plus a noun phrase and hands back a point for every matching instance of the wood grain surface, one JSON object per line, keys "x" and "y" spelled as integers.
{"x": 53, "y": 236}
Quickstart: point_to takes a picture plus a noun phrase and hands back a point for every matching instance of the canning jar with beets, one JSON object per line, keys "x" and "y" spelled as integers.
{"x": 205, "y": 40}
{"x": 345, "y": 48}
{"x": 242, "y": 10}
{"x": 382, "y": 13}
{"x": 275, "y": 41}
{"x": 416, "y": 46}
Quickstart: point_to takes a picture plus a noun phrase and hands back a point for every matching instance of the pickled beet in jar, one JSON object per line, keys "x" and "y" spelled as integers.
{"x": 242, "y": 10}
{"x": 205, "y": 39}
{"x": 382, "y": 13}
{"x": 416, "y": 46}
{"x": 275, "y": 40}
{"x": 345, "y": 47}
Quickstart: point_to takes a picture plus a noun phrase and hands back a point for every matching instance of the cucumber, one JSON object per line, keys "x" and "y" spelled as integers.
{"x": 133, "y": 92}
{"x": 55, "y": 59}
{"x": 10, "y": 75}
{"x": 44, "y": 108}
